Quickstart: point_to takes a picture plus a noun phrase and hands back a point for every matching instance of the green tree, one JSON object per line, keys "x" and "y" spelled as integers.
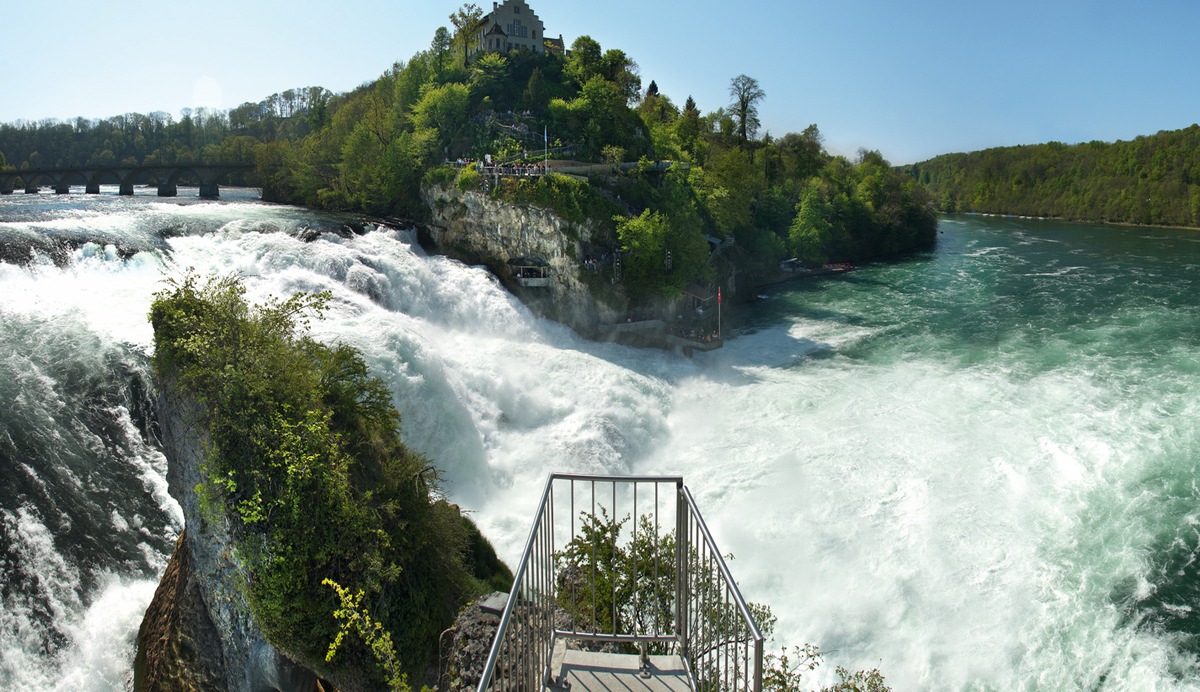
{"x": 811, "y": 233}
{"x": 645, "y": 241}
{"x": 439, "y": 50}
{"x": 746, "y": 94}
{"x": 584, "y": 61}
{"x": 687, "y": 128}
{"x": 443, "y": 109}
{"x": 467, "y": 21}
{"x": 621, "y": 70}
{"x": 489, "y": 75}
{"x": 801, "y": 155}
{"x": 536, "y": 95}
{"x": 733, "y": 185}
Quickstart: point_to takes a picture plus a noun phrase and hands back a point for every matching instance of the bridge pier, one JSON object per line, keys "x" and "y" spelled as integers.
{"x": 126, "y": 190}
{"x": 168, "y": 190}
{"x": 210, "y": 191}
{"x": 32, "y": 189}
{"x": 6, "y": 188}
{"x": 92, "y": 189}
{"x": 62, "y": 189}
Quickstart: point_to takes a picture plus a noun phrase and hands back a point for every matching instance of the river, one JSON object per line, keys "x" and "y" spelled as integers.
{"x": 973, "y": 468}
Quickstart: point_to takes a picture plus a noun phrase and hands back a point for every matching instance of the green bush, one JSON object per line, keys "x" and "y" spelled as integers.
{"x": 306, "y": 460}
{"x": 468, "y": 179}
{"x": 442, "y": 175}
{"x": 573, "y": 200}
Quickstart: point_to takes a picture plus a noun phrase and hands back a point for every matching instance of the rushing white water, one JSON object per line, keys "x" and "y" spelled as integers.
{"x": 972, "y": 469}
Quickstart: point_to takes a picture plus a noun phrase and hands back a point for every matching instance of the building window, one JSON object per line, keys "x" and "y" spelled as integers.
{"x": 516, "y": 9}
{"x": 516, "y": 30}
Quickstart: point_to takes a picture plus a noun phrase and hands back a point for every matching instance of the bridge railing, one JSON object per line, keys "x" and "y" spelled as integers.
{"x": 627, "y": 564}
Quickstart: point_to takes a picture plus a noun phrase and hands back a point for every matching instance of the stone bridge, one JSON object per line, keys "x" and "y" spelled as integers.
{"x": 91, "y": 177}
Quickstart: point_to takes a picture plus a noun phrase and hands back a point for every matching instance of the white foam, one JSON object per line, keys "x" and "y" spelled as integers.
{"x": 103, "y": 639}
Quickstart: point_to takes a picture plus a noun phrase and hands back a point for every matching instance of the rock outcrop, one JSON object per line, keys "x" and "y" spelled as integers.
{"x": 473, "y": 227}
{"x": 198, "y": 632}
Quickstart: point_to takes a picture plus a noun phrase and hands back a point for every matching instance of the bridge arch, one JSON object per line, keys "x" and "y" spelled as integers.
{"x": 208, "y": 177}
{"x": 8, "y": 182}
{"x": 34, "y": 180}
{"x": 105, "y": 176}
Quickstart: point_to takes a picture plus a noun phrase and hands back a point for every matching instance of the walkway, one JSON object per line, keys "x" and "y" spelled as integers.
{"x": 591, "y": 671}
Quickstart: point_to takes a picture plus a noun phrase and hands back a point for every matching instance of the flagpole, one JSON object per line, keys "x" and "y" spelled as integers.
{"x": 719, "y": 337}
{"x": 546, "y": 148}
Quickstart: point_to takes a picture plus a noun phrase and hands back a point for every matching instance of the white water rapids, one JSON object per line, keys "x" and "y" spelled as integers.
{"x": 987, "y": 514}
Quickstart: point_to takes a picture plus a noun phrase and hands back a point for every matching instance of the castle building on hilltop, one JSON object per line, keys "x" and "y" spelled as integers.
{"x": 512, "y": 25}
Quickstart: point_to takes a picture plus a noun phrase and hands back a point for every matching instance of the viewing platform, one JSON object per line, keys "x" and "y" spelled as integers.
{"x": 622, "y": 587}
{"x": 530, "y": 272}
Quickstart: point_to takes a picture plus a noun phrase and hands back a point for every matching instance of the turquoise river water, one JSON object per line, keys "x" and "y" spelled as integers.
{"x": 973, "y": 468}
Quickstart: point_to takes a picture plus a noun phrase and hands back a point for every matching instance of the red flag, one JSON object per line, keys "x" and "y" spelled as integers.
{"x": 718, "y": 294}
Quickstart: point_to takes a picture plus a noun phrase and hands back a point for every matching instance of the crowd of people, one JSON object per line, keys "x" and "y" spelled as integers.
{"x": 531, "y": 168}
{"x": 595, "y": 263}
{"x": 696, "y": 334}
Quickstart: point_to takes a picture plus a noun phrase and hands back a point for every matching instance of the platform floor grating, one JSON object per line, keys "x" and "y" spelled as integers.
{"x": 591, "y": 671}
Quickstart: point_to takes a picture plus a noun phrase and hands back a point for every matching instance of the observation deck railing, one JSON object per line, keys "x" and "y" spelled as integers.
{"x": 649, "y": 580}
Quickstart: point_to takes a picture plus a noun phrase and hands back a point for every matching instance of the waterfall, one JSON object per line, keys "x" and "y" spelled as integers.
{"x": 972, "y": 468}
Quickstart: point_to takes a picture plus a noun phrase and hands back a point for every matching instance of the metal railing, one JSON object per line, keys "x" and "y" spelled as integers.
{"x": 624, "y": 563}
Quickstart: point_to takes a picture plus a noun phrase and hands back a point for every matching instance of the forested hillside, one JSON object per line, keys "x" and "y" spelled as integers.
{"x": 372, "y": 149}
{"x": 778, "y": 197}
{"x": 1149, "y": 180}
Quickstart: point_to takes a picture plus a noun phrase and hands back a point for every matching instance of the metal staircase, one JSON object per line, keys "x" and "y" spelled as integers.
{"x": 621, "y": 586}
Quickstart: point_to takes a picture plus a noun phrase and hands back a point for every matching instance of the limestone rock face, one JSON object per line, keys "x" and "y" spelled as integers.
{"x": 178, "y": 647}
{"x": 474, "y": 630}
{"x": 198, "y": 632}
{"x": 474, "y": 227}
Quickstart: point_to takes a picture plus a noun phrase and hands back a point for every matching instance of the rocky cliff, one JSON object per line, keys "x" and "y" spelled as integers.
{"x": 473, "y": 227}
{"x": 198, "y": 632}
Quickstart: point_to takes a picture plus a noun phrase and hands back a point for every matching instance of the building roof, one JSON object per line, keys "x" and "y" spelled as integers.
{"x": 699, "y": 292}
{"x": 528, "y": 262}
{"x": 495, "y": 30}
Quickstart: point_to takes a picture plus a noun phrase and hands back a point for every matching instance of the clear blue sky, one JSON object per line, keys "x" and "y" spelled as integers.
{"x": 913, "y": 79}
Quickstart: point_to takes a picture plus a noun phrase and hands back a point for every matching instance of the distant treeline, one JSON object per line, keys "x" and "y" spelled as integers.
{"x": 199, "y": 135}
{"x": 1151, "y": 180}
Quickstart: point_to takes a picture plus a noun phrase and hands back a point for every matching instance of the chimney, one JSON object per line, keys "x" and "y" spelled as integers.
{"x": 495, "y": 5}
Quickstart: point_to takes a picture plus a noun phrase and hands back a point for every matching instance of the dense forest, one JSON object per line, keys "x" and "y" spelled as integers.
{"x": 1149, "y": 180}
{"x": 199, "y": 136}
{"x": 372, "y": 149}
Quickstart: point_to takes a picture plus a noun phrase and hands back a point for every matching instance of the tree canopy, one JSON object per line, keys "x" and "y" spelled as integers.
{"x": 746, "y": 93}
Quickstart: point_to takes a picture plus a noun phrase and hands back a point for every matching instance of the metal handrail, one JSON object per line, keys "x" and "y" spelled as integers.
{"x": 502, "y": 628}
{"x": 754, "y": 633}
{"x": 709, "y": 625}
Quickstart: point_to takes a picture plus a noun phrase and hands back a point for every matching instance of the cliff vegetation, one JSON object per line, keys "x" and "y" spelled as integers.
{"x": 331, "y": 514}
